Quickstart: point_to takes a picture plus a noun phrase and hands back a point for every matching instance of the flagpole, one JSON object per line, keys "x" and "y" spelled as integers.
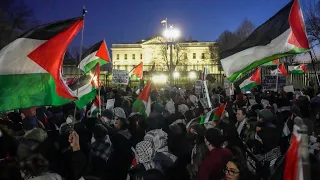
{"x": 277, "y": 81}
{"x": 84, "y": 11}
{"x": 100, "y": 101}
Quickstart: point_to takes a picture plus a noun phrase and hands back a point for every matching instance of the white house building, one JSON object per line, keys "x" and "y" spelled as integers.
{"x": 155, "y": 55}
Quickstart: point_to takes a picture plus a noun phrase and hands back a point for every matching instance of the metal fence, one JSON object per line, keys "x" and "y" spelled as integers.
{"x": 297, "y": 80}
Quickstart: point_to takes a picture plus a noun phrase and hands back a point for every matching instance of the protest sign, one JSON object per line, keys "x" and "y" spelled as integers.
{"x": 120, "y": 77}
{"x": 269, "y": 82}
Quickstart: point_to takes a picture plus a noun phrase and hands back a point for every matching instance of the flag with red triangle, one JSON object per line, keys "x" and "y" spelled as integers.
{"x": 219, "y": 112}
{"x": 97, "y": 53}
{"x": 252, "y": 81}
{"x": 96, "y": 104}
{"x": 138, "y": 70}
{"x": 86, "y": 87}
{"x": 293, "y": 164}
{"x": 30, "y": 66}
{"x": 282, "y": 69}
{"x": 143, "y": 103}
{"x": 282, "y": 35}
{"x": 300, "y": 69}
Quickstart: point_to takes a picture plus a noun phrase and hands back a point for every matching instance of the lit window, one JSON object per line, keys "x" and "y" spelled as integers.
{"x": 194, "y": 55}
{"x": 118, "y": 56}
{"x": 202, "y": 56}
{"x": 133, "y": 56}
{"x": 125, "y": 56}
{"x": 140, "y": 56}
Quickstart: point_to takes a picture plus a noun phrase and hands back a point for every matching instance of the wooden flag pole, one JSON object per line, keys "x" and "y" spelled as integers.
{"x": 277, "y": 80}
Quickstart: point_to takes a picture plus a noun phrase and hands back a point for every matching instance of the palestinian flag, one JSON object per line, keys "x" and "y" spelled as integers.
{"x": 282, "y": 35}
{"x": 301, "y": 69}
{"x": 143, "y": 103}
{"x": 96, "y": 104}
{"x": 252, "y": 81}
{"x": 86, "y": 89}
{"x": 98, "y": 53}
{"x": 217, "y": 115}
{"x": 138, "y": 70}
{"x": 293, "y": 164}
{"x": 271, "y": 63}
{"x": 30, "y": 66}
{"x": 282, "y": 69}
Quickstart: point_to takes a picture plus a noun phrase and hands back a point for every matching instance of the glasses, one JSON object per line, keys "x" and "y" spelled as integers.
{"x": 231, "y": 172}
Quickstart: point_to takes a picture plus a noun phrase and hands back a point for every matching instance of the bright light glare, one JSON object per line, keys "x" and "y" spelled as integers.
{"x": 166, "y": 33}
{"x": 159, "y": 79}
{"x": 176, "y": 74}
{"x": 192, "y": 75}
{"x": 175, "y": 33}
{"x": 171, "y": 33}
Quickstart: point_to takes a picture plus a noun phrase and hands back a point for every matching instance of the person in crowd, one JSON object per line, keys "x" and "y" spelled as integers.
{"x": 236, "y": 169}
{"x": 242, "y": 126}
{"x": 213, "y": 164}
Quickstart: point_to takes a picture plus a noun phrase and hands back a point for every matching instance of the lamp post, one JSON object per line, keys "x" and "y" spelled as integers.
{"x": 171, "y": 35}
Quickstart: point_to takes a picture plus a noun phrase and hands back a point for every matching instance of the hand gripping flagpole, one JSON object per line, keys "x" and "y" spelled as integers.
{"x": 84, "y": 11}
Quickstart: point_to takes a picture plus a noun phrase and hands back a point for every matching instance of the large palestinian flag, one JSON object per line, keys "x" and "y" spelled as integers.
{"x": 86, "y": 87}
{"x": 30, "y": 66}
{"x": 252, "y": 81}
{"x": 98, "y": 53}
{"x": 282, "y": 35}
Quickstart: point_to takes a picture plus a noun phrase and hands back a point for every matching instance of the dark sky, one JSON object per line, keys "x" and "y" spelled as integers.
{"x": 127, "y": 21}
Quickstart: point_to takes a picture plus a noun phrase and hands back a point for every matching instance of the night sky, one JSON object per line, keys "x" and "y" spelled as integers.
{"x": 127, "y": 21}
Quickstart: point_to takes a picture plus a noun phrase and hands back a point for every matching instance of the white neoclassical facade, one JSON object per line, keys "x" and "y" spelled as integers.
{"x": 155, "y": 55}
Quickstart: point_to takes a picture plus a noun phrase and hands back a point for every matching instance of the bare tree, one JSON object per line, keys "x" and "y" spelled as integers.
{"x": 162, "y": 51}
{"x": 312, "y": 17}
{"x": 229, "y": 39}
{"x": 15, "y": 18}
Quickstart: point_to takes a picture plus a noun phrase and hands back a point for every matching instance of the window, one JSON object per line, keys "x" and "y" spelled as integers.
{"x": 194, "y": 55}
{"x": 202, "y": 56}
{"x": 125, "y": 56}
{"x": 140, "y": 56}
{"x": 118, "y": 56}
{"x": 133, "y": 56}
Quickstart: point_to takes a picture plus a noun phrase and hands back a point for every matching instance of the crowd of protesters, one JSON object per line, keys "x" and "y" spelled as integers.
{"x": 248, "y": 142}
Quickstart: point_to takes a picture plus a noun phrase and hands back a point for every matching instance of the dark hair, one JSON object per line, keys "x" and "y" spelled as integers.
{"x": 244, "y": 111}
{"x": 214, "y": 137}
{"x": 242, "y": 166}
{"x": 133, "y": 123}
{"x": 124, "y": 123}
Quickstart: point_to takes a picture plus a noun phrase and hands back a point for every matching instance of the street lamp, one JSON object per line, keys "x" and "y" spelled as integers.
{"x": 171, "y": 35}
{"x": 192, "y": 75}
{"x": 176, "y": 74}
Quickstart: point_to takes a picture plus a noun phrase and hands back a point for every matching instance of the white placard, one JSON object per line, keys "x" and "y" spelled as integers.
{"x": 110, "y": 104}
{"x": 120, "y": 77}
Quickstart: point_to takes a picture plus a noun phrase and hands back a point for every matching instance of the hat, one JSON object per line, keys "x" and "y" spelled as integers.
{"x": 107, "y": 113}
{"x": 36, "y": 134}
{"x": 214, "y": 137}
{"x": 99, "y": 131}
{"x": 265, "y": 114}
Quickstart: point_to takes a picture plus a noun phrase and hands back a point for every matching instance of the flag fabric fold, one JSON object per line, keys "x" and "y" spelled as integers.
{"x": 282, "y": 69}
{"x": 300, "y": 69}
{"x": 271, "y": 63}
{"x": 30, "y": 66}
{"x": 143, "y": 103}
{"x": 293, "y": 168}
{"x": 138, "y": 70}
{"x": 282, "y": 35}
{"x": 86, "y": 88}
{"x": 252, "y": 81}
{"x": 97, "y": 53}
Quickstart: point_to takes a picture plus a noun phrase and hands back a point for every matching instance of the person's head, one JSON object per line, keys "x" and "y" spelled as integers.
{"x": 99, "y": 132}
{"x": 264, "y": 115}
{"x": 236, "y": 169}
{"x": 155, "y": 121}
{"x": 241, "y": 114}
{"x": 34, "y": 165}
{"x": 136, "y": 123}
{"x": 121, "y": 124}
{"x": 213, "y": 138}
